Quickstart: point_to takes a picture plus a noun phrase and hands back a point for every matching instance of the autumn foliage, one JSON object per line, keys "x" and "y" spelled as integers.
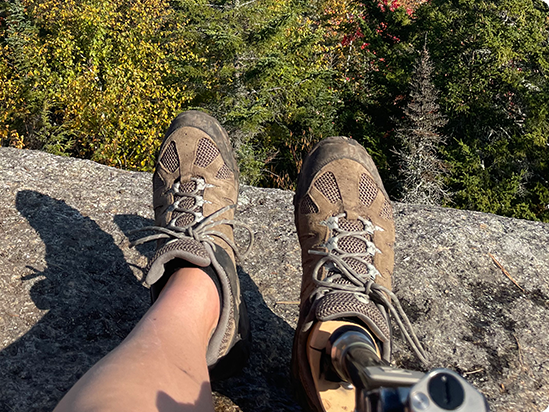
{"x": 101, "y": 80}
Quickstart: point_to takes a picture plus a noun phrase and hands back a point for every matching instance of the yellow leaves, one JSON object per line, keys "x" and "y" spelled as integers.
{"x": 99, "y": 73}
{"x": 11, "y": 137}
{"x": 15, "y": 140}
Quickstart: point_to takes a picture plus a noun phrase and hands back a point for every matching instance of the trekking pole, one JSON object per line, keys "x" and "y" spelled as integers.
{"x": 382, "y": 388}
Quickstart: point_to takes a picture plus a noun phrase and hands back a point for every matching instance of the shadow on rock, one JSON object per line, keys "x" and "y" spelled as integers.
{"x": 489, "y": 317}
{"x": 129, "y": 223}
{"x": 93, "y": 302}
{"x": 265, "y": 384}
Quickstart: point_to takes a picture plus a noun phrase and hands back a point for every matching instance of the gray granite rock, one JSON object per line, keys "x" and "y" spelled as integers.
{"x": 72, "y": 288}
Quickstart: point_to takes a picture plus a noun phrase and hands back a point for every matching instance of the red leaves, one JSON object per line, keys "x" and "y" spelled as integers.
{"x": 349, "y": 38}
{"x": 393, "y": 5}
{"x": 388, "y": 4}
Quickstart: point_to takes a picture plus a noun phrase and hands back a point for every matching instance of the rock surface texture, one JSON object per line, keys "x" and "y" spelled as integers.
{"x": 71, "y": 287}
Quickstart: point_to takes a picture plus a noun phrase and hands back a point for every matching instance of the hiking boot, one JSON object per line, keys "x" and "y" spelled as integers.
{"x": 195, "y": 191}
{"x": 345, "y": 226}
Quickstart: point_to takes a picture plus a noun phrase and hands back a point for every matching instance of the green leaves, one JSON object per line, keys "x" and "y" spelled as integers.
{"x": 102, "y": 80}
{"x": 490, "y": 58}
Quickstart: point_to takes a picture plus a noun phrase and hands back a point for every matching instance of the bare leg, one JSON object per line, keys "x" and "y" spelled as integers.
{"x": 161, "y": 365}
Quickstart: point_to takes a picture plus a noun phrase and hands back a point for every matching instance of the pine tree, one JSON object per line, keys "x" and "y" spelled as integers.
{"x": 422, "y": 170}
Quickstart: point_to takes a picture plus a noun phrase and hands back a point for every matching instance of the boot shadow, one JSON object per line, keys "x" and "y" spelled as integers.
{"x": 265, "y": 383}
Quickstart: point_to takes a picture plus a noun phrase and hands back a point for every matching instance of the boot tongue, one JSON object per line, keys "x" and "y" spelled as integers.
{"x": 344, "y": 304}
{"x": 353, "y": 244}
{"x": 184, "y": 219}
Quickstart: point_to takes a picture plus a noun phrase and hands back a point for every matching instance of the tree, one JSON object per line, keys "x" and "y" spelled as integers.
{"x": 422, "y": 169}
{"x": 374, "y": 64}
{"x": 268, "y": 80}
{"x": 101, "y": 80}
{"x": 92, "y": 78}
{"x": 492, "y": 66}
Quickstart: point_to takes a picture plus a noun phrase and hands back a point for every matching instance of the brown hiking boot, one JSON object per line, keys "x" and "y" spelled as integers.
{"x": 195, "y": 191}
{"x": 345, "y": 226}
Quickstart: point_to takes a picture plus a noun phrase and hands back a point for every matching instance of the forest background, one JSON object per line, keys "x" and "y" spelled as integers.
{"x": 447, "y": 95}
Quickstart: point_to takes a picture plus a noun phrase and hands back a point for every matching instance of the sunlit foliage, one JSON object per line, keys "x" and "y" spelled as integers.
{"x": 100, "y": 79}
{"x": 93, "y": 79}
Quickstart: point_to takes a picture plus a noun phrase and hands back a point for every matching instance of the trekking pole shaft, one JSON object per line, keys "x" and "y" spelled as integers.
{"x": 356, "y": 360}
{"x": 352, "y": 351}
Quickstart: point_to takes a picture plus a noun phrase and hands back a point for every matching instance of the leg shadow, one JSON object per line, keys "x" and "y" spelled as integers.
{"x": 165, "y": 403}
{"x": 128, "y": 223}
{"x": 93, "y": 302}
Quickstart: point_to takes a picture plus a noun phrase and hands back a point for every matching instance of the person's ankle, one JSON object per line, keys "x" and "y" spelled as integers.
{"x": 195, "y": 288}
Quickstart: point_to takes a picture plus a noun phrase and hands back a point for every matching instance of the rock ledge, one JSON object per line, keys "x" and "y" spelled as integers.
{"x": 72, "y": 288}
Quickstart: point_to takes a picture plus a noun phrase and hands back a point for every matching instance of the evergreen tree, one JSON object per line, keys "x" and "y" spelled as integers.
{"x": 421, "y": 168}
{"x": 491, "y": 65}
{"x": 263, "y": 72}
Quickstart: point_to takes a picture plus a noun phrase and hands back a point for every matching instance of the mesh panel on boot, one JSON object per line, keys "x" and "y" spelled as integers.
{"x": 184, "y": 220}
{"x": 350, "y": 225}
{"x": 170, "y": 159}
{"x": 187, "y": 187}
{"x": 187, "y": 203}
{"x": 343, "y": 304}
{"x": 351, "y": 244}
{"x": 357, "y": 265}
{"x": 308, "y": 206}
{"x": 224, "y": 172}
{"x": 386, "y": 210}
{"x": 327, "y": 185}
{"x": 367, "y": 190}
{"x": 205, "y": 153}
{"x": 188, "y": 245}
